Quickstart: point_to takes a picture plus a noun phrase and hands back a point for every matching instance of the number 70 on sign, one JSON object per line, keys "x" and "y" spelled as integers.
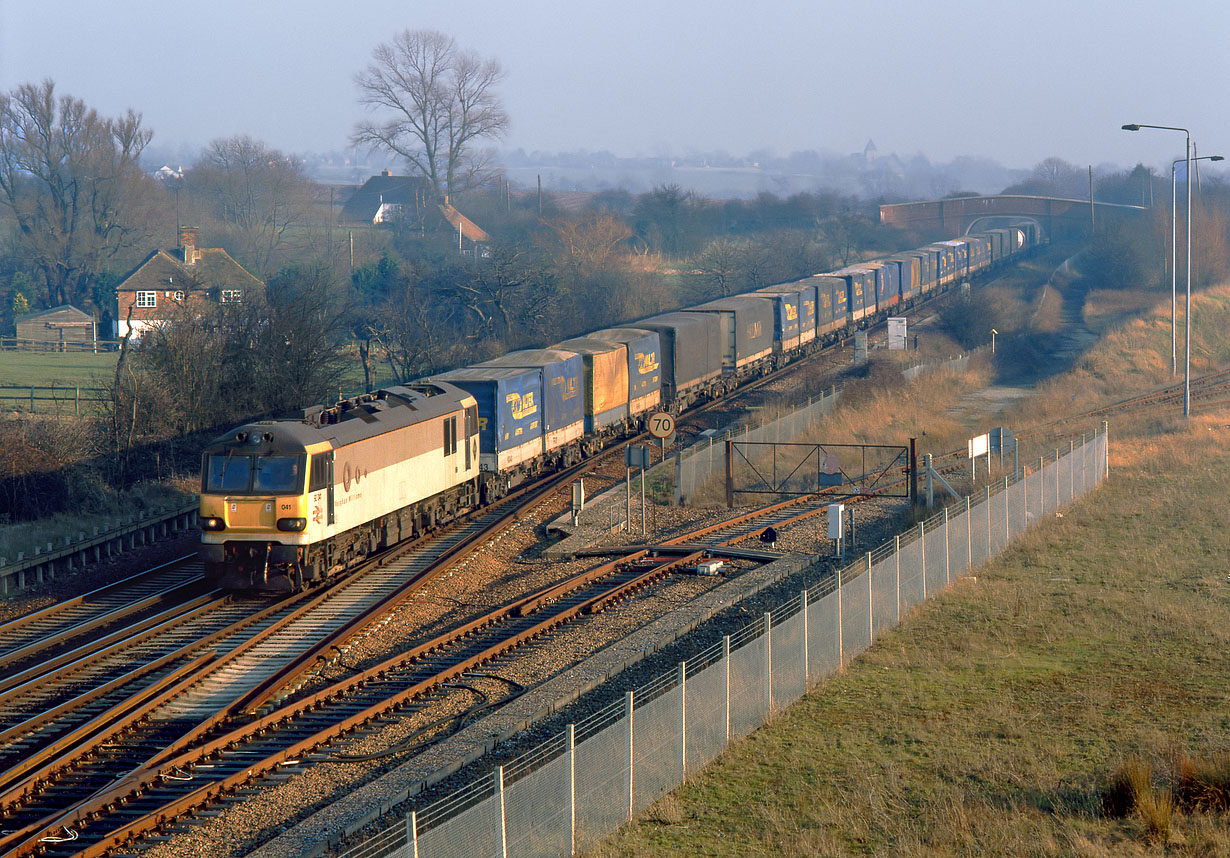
{"x": 661, "y": 425}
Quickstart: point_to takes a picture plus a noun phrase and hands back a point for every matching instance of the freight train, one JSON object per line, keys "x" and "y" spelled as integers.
{"x": 287, "y": 502}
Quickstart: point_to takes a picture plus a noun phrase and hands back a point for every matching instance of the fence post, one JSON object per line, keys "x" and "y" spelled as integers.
{"x": 768, "y": 665}
{"x": 1007, "y": 527}
{"x": 806, "y": 667}
{"x": 871, "y": 628}
{"x": 572, "y": 789}
{"x": 683, "y": 721}
{"x": 922, "y": 552}
{"x": 726, "y": 688}
{"x": 1071, "y": 471}
{"x": 631, "y": 750}
{"x": 947, "y": 561}
{"x": 1024, "y": 501}
{"x": 987, "y": 502}
{"x": 1084, "y": 465}
{"x": 969, "y": 538}
{"x": 841, "y": 654}
{"x": 412, "y": 833}
{"x": 499, "y": 785}
{"x": 897, "y": 563}
{"x": 1106, "y": 448}
{"x": 1057, "y": 503}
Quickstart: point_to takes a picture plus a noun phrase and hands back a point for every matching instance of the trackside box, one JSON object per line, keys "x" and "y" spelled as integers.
{"x": 509, "y": 412}
{"x": 644, "y": 354}
{"x": 788, "y": 314}
{"x": 747, "y": 329}
{"x": 691, "y": 346}
{"x": 606, "y": 380}
{"x": 563, "y": 385}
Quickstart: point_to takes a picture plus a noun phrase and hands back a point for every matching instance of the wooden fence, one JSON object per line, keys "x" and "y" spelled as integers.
{"x": 60, "y": 400}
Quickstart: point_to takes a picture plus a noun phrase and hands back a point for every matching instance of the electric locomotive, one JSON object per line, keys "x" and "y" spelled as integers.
{"x": 290, "y": 501}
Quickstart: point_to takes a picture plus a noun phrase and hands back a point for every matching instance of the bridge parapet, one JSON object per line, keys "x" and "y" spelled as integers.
{"x": 956, "y": 216}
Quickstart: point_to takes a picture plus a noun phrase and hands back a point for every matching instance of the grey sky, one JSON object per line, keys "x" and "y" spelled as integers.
{"x": 1014, "y": 82}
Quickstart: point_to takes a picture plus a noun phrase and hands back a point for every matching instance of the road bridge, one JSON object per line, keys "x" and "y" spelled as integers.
{"x": 1055, "y": 216}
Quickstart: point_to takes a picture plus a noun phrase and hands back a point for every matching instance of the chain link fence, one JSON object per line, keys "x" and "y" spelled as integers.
{"x": 599, "y": 774}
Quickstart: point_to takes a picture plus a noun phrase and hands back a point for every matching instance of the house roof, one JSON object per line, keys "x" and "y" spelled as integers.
{"x": 468, "y": 228}
{"x": 398, "y": 190}
{"x": 68, "y": 310}
{"x": 213, "y": 269}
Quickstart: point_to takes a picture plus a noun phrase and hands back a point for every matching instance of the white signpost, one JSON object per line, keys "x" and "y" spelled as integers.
{"x": 980, "y": 446}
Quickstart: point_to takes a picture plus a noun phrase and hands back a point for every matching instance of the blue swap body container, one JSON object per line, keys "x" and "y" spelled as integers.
{"x": 789, "y": 309}
{"x": 509, "y": 412}
{"x": 563, "y": 385}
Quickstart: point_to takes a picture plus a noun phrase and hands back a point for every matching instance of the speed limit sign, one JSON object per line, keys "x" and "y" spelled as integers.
{"x": 661, "y": 425}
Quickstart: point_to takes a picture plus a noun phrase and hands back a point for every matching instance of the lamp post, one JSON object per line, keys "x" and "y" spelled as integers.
{"x": 1174, "y": 250}
{"x": 1187, "y": 312}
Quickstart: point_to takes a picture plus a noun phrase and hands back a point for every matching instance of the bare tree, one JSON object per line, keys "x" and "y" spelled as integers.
{"x": 71, "y": 180}
{"x": 442, "y": 101}
{"x": 258, "y": 193}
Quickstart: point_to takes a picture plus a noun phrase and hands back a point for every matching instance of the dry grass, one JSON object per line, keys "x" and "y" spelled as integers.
{"x": 1004, "y": 717}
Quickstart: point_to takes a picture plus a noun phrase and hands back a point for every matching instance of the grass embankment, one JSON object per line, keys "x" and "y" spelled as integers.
{"x": 1071, "y": 700}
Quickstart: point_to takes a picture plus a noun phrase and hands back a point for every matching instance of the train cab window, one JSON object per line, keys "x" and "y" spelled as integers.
{"x": 320, "y": 473}
{"x": 228, "y": 473}
{"x": 278, "y": 474}
{"x": 471, "y": 421}
{"x": 450, "y": 436}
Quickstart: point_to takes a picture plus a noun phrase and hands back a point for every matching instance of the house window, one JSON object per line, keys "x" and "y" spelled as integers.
{"x": 147, "y": 299}
{"x": 232, "y": 296}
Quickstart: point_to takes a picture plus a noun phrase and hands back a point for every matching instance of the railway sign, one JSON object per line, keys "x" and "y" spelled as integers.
{"x": 661, "y": 425}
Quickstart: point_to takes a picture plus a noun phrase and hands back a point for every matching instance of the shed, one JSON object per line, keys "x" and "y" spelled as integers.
{"x": 54, "y": 328}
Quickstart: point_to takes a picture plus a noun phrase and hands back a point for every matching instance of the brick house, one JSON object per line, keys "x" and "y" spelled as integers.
{"x": 186, "y": 276}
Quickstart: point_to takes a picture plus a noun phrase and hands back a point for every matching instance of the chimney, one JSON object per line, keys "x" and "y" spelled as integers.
{"x": 388, "y": 174}
{"x": 190, "y": 243}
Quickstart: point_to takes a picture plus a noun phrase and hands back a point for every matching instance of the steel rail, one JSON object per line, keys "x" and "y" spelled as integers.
{"x": 50, "y": 669}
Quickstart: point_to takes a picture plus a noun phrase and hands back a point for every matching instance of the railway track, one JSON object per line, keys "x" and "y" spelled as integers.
{"x": 114, "y": 609}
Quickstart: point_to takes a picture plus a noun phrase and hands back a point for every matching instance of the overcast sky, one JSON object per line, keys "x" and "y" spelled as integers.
{"x": 1014, "y": 82}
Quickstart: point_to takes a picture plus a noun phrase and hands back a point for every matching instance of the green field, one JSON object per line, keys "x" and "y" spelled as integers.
{"x": 72, "y": 369}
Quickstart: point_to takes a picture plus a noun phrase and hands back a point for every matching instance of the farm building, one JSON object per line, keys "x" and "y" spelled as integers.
{"x": 57, "y": 328}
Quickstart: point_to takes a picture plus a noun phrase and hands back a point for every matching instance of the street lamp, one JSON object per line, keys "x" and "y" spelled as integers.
{"x": 1174, "y": 262}
{"x": 993, "y": 333}
{"x": 1187, "y": 316}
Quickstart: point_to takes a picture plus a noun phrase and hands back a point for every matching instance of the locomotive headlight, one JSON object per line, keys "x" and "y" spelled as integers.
{"x": 292, "y": 525}
{"x": 211, "y": 523}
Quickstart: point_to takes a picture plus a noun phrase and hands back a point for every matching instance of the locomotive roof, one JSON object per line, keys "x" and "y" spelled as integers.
{"x": 351, "y": 420}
